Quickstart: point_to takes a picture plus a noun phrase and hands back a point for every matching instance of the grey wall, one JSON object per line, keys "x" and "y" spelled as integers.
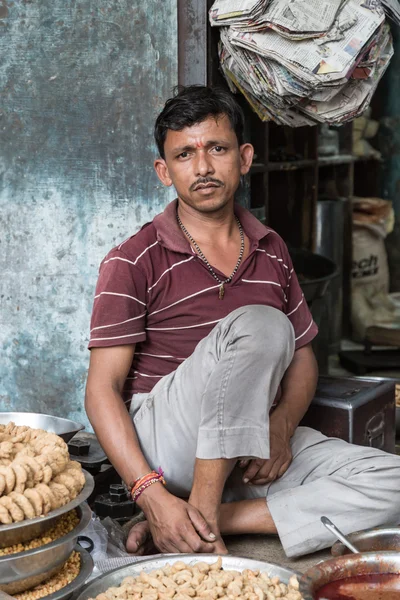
{"x": 80, "y": 85}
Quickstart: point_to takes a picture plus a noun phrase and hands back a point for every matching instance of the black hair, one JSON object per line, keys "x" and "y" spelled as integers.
{"x": 194, "y": 104}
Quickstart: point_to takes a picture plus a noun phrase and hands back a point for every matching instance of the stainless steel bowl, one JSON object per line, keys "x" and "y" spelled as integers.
{"x": 79, "y": 581}
{"x": 22, "y": 571}
{"x": 114, "y": 578}
{"x": 381, "y": 539}
{"x": 32, "y": 528}
{"x": 62, "y": 427}
{"x": 370, "y": 563}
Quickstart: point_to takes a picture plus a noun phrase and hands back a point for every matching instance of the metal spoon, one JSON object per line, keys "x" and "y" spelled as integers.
{"x": 333, "y": 529}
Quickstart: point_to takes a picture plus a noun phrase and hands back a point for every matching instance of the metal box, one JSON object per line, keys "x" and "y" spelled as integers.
{"x": 359, "y": 411}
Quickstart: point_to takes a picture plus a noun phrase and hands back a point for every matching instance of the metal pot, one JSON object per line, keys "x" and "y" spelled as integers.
{"x": 381, "y": 539}
{"x": 370, "y": 563}
{"x": 24, "y": 570}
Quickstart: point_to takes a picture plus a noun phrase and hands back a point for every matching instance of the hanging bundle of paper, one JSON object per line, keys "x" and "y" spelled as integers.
{"x": 299, "y": 62}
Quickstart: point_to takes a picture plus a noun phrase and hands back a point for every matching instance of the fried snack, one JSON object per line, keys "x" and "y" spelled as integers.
{"x": 24, "y": 504}
{"x": 35, "y": 468}
{"x": 20, "y": 476}
{"x": 36, "y": 474}
{"x": 6, "y": 449}
{"x": 16, "y": 513}
{"x": 61, "y": 492}
{"x": 69, "y": 482}
{"x": 202, "y": 581}
{"x": 9, "y": 476}
{"x": 35, "y": 499}
{"x": 5, "y": 517}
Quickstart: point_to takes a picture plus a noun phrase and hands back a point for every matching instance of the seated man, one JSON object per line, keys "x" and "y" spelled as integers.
{"x": 199, "y": 323}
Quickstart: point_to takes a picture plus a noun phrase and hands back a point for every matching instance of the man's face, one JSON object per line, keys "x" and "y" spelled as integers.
{"x": 204, "y": 163}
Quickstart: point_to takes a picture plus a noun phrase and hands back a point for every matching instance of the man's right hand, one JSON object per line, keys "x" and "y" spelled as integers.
{"x": 175, "y": 525}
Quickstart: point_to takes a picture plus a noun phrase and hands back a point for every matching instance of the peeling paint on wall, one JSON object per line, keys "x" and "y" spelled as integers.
{"x": 80, "y": 86}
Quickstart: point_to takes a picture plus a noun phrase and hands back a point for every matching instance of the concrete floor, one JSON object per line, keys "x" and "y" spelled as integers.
{"x": 269, "y": 549}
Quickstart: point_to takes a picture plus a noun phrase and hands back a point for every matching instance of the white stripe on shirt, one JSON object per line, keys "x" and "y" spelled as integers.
{"x": 270, "y": 282}
{"x": 187, "y": 326}
{"x": 145, "y": 374}
{"x": 213, "y": 287}
{"x": 160, "y": 355}
{"x": 118, "y": 337}
{"x": 273, "y": 256}
{"x": 122, "y": 295}
{"x": 308, "y": 328}
{"x": 170, "y": 269}
{"x": 120, "y": 323}
{"x": 129, "y": 261}
{"x": 294, "y": 310}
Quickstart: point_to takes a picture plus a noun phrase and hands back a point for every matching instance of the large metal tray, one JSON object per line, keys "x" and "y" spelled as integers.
{"x": 65, "y": 428}
{"x": 24, "y": 570}
{"x": 31, "y": 528}
{"x": 114, "y": 578}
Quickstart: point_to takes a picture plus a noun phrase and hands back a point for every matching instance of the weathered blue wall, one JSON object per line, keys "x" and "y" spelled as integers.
{"x": 80, "y": 85}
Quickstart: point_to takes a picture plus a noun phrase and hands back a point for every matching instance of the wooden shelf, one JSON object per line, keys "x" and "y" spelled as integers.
{"x": 336, "y": 159}
{"x": 258, "y": 168}
{"x": 291, "y": 165}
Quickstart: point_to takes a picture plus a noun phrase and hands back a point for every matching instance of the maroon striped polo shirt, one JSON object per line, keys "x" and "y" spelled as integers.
{"x": 154, "y": 291}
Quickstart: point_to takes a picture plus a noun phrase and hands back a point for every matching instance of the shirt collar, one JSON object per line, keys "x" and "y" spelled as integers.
{"x": 170, "y": 235}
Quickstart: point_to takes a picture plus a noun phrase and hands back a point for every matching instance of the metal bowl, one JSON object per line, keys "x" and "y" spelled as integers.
{"x": 381, "y": 539}
{"x": 75, "y": 585}
{"x": 114, "y": 578}
{"x": 65, "y": 428}
{"x": 22, "y": 571}
{"x": 32, "y": 528}
{"x": 79, "y": 581}
{"x": 370, "y": 563}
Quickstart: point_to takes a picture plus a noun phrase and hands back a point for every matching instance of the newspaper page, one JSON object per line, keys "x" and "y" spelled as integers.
{"x": 224, "y": 11}
{"x": 303, "y": 16}
{"x": 353, "y": 99}
{"x": 329, "y": 61}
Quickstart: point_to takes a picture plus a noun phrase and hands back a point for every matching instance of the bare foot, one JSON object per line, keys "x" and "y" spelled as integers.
{"x": 140, "y": 542}
{"x": 218, "y": 547}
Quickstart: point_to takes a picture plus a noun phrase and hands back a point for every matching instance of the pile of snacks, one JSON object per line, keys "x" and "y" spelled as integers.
{"x": 66, "y": 523}
{"x": 397, "y": 395}
{"x": 202, "y": 581}
{"x": 68, "y": 573}
{"x": 36, "y": 474}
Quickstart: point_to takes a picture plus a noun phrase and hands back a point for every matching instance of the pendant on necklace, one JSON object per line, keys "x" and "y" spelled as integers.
{"x": 221, "y": 293}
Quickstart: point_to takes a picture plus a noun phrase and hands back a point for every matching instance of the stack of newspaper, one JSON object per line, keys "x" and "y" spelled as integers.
{"x": 299, "y": 62}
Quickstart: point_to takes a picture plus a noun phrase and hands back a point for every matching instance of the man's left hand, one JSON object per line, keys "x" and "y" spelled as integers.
{"x": 260, "y": 471}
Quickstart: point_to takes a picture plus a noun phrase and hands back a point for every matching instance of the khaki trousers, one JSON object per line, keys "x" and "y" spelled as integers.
{"x": 216, "y": 405}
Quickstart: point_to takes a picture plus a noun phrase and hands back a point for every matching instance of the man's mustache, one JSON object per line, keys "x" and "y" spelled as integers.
{"x": 204, "y": 181}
